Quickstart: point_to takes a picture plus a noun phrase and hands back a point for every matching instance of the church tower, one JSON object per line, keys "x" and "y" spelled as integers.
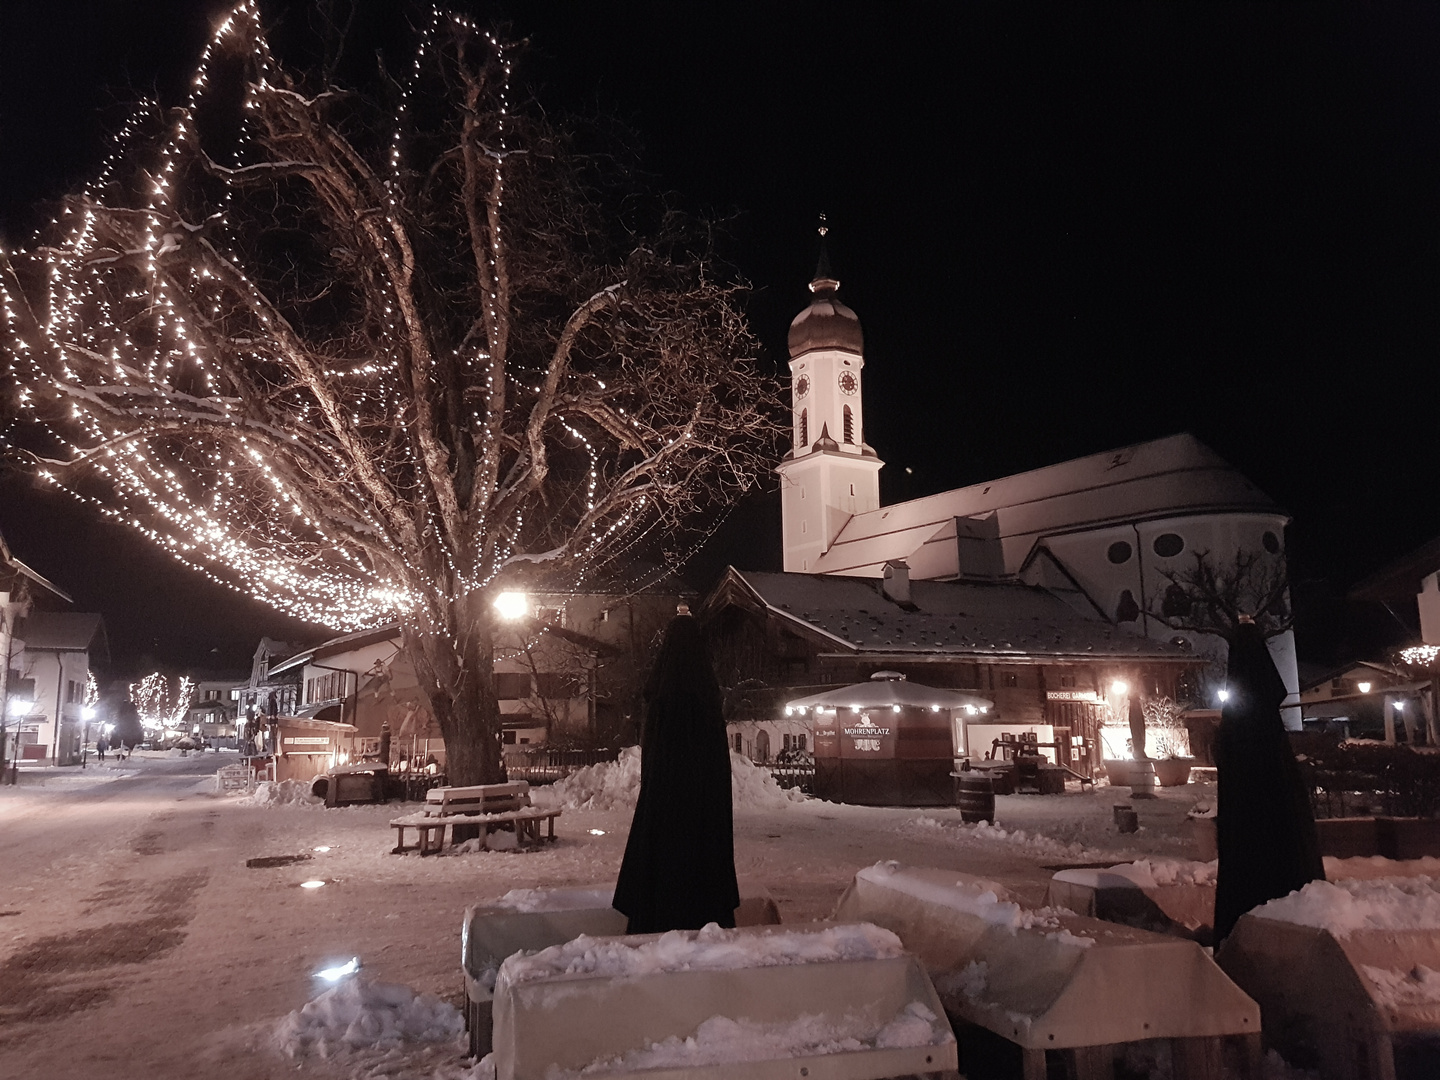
{"x": 829, "y": 474}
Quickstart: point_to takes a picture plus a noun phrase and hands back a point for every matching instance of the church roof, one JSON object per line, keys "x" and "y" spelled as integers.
{"x": 944, "y": 620}
{"x": 1171, "y": 477}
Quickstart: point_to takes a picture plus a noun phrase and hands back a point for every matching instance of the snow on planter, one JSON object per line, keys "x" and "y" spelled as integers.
{"x": 753, "y": 1002}
{"x": 1047, "y": 979}
{"x": 1166, "y": 895}
{"x": 528, "y": 920}
{"x": 1347, "y": 975}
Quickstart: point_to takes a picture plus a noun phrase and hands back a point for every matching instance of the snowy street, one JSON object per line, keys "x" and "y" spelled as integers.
{"x": 135, "y": 942}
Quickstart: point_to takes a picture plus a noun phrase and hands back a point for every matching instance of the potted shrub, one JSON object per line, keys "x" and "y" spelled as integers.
{"x": 1168, "y": 742}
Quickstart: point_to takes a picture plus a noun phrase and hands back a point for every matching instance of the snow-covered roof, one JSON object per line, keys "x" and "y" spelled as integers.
{"x": 358, "y": 639}
{"x": 1174, "y": 476}
{"x": 944, "y": 619}
{"x": 886, "y": 693}
{"x": 64, "y": 631}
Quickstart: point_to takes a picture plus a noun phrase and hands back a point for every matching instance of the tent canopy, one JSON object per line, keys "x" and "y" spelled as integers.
{"x": 886, "y": 689}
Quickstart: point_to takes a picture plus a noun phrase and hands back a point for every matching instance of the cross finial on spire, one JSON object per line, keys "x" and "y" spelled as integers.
{"x": 825, "y": 282}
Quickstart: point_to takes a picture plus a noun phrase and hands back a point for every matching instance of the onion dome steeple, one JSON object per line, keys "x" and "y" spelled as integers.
{"x": 826, "y": 323}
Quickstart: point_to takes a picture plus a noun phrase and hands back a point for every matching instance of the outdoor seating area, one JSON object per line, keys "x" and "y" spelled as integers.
{"x": 474, "y": 813}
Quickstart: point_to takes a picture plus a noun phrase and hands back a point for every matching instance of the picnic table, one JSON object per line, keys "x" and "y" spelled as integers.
{"x": 474, "y": 812}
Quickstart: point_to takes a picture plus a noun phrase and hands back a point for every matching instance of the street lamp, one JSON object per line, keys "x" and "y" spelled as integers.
{"x": 512, "y": 605}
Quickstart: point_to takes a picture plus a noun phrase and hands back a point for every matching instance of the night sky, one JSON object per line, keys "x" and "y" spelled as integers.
{"x": 1065, "y": 228}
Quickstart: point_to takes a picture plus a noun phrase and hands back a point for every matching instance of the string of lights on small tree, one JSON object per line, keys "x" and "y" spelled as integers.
{"x": 373, "y": 356}
{"x": 161, "y": 703}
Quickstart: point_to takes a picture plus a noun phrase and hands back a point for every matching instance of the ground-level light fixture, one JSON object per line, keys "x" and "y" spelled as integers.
{"x": 512, "y": 605}
{"x": 311, "y": 884}
{"x": 1363, "y": 687}
{"x": 335, "y": 974}
{"x": 597, "y": 832}
{"x": 323, "y": 848}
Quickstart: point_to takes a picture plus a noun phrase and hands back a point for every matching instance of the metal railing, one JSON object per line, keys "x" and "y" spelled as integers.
{"x": 800, "y": 776}
{"x": 543, "y": 765}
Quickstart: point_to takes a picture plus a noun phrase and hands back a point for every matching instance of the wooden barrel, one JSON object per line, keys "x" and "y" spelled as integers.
{"x": 975, "y": 795}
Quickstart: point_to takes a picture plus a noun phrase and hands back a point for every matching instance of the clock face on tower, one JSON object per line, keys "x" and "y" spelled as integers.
{"x": 848, "y": 383}
{"x": 802, "y": 386}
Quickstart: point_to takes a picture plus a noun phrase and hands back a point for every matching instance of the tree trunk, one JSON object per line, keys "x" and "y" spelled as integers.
{"x": 455, "y": 668}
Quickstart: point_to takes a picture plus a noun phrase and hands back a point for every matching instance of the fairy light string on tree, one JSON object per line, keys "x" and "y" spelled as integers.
{"x": 370, "y": 362}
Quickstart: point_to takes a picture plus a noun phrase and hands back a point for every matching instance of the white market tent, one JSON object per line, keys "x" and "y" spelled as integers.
{"x": 887, "y": 690}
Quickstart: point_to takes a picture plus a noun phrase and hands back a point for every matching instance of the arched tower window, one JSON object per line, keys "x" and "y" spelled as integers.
{"x": 804, "y": 427}
{"x": 849, "y": 425}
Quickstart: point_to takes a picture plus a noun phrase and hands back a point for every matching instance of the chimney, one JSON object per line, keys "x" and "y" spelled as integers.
{"x": 978, "y": 554}
{"x": 896, "y": 583}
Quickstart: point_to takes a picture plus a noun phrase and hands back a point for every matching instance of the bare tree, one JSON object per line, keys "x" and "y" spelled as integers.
{"x": 369, "y": 358}
{"x": 1210, "y": 597}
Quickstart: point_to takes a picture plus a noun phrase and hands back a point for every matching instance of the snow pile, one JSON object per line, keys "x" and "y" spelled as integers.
{"x": 1032, "y": 843}
{"x": 710, "y": 949}
{"x": 721, "y": 1040}
{"x": 610, "y": 785}
{"x": 577, "y": 898}
{"x": 1347, "y": 906}
{"x": 280, "y": 793}
{"x": 615, "y": 785}
{"x": 360, "y": 1015}
{"x": 1420, "y": 986}
{"x": 1154, "y": 873}
{"x": 752, "y": 787}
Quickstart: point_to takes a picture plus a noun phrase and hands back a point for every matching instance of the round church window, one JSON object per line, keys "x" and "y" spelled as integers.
{"x": 1119, "y": 552}
{"x": 1168, "y": 545}
{"x": 1271, "y": 542}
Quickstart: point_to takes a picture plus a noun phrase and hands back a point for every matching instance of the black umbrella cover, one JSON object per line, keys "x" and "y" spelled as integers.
{"x": 1265, "y": 829}
{"x": 679, "y": 866}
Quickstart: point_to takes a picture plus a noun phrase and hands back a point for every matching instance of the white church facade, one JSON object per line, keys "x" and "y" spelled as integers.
{"x": 1101, "y": 532}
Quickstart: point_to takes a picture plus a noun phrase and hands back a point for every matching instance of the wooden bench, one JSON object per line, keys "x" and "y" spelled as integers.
{"x": 478, "y": 798}
{"x": 431, "y": 828}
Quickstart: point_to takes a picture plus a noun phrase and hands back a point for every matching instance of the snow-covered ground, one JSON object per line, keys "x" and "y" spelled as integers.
{"x": 134, "y": 940}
